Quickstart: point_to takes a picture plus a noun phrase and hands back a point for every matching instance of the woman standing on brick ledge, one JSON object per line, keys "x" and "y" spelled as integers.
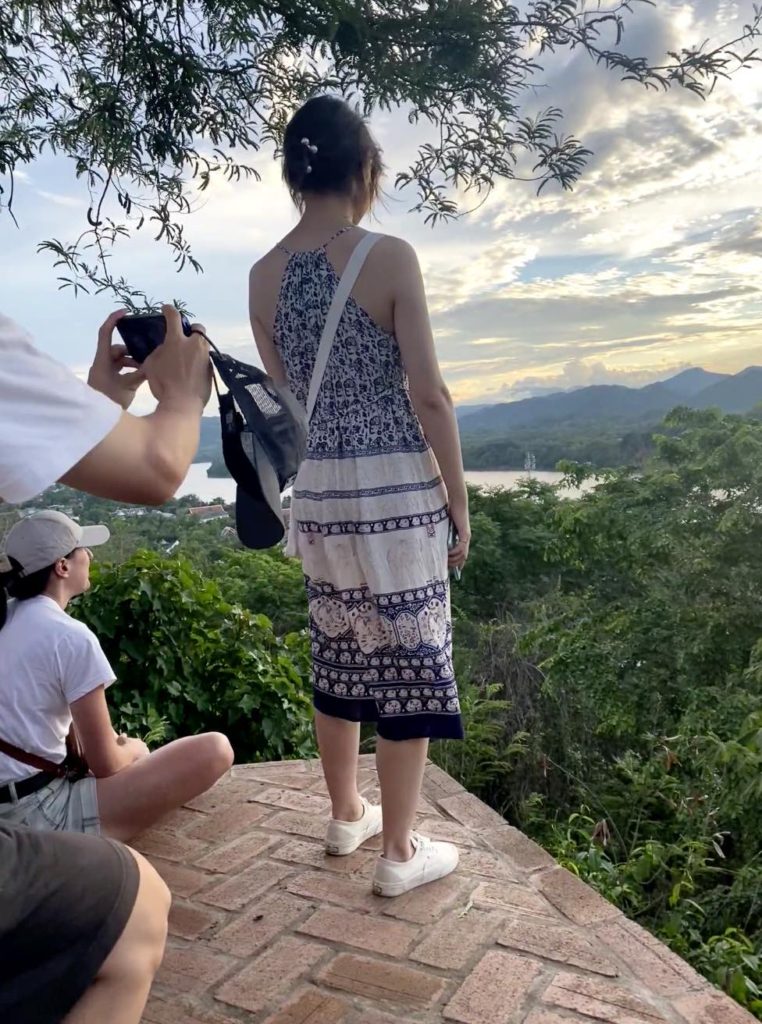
{"x": 374, "y": 498}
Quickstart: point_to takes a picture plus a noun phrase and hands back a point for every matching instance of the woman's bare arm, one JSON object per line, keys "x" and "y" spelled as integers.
{"x": 144, "y": 459}
{"x": 106, "y": 754}
{"x": 258, "y": 298}
{"x": 428, "y": 391}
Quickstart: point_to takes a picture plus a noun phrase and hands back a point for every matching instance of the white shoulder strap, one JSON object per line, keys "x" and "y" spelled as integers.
{"x": 339, "y": 301}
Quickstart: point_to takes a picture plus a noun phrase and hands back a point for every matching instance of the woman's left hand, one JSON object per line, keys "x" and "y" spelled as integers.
{"x": 458, "y": 553}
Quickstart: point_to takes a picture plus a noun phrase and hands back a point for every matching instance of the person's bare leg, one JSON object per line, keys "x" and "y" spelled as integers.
{"x": 120, "y": 990}
{"x": 400, "y": 772}
{"x": 339, "y": 744}
{"x": 133, "y": 799}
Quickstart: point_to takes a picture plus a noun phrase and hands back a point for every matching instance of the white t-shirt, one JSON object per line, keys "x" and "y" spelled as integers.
{"x": 48, "y": 660}
{"x": 49, "y": 419}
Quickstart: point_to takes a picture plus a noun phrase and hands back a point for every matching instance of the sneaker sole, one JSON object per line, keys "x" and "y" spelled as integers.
{"x": 392, "y": 889}
{"x": 344, "y": 849}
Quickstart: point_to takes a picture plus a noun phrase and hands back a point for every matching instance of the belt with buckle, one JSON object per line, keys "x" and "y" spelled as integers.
{"x": 26, "y": 786}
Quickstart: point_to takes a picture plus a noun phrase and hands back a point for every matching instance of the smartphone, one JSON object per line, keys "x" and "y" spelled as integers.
{"x": 452, "y": 540}
{"x": 144, "y": 332}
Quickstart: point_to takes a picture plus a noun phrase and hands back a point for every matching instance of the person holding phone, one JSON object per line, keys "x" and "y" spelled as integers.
{"x": 56, "y": 427}
{"x": 374, "y": 497}
{"x": 83, "y": 920}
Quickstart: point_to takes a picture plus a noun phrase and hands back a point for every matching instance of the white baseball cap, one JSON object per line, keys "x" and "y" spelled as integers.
{"x": 42, "y": 538}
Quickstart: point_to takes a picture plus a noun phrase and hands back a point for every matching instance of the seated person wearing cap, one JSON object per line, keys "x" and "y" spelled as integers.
{"x": 55, "y": 672}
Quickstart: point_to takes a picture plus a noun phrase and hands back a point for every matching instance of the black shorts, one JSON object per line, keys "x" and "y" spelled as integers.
{"x": 65, "y": 899}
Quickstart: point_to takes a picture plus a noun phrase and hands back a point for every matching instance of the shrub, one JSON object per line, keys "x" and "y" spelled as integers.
{"x": 186, "y": 657}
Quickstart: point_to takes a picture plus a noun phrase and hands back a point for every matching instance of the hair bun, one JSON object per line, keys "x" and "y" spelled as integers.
{"x": 346, "y": 161}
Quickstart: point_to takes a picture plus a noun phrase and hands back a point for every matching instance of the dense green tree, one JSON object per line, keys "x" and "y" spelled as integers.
{"x": 508, "y": 561}
{"x": 599, "y": 444}
{"x": 266, "y": 583}
{"x": 187, "y": 660}
{"x": 632, "y": 689}
{"x": 151, "y": 99}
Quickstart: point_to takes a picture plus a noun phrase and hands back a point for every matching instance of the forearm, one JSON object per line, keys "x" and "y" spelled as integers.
{"x": 172, "y": 438}
{"x": 145, "y": 458}
{"x": 122, "y": 753}
{"x": 437, "y": 417}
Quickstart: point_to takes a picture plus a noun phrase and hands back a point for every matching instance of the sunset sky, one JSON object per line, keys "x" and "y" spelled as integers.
{"x": 652, "y": 264}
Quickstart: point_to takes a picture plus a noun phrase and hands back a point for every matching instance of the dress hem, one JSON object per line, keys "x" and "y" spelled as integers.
{"x": 397, "y": 728}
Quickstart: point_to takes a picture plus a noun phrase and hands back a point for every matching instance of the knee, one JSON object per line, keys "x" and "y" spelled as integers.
{"x": 159, "y": 927}
{"x": 218, "y": 753}
{"x": 138, "y": 954}
{"x": 153, "y": 903}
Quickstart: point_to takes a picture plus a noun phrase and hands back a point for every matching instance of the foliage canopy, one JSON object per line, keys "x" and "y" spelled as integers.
{"x": 150, "y": 99}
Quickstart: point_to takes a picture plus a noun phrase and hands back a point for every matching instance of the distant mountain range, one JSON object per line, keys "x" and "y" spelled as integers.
{"x": 610, "y": 403}
{"x": 601, "y": 405}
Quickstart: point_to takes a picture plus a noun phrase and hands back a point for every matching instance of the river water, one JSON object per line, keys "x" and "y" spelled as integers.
{"x": 208, "y": 488}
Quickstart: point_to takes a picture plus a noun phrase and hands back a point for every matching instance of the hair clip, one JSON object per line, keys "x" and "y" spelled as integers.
{"x": 309, "y": 145}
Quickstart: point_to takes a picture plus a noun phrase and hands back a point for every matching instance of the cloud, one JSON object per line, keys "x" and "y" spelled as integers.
{"x": 579, "y": 373}
{"x": 59, "y": 199}
{"x": 651, "y": 264}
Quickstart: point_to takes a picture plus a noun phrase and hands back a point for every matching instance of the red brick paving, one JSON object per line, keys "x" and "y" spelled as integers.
{"x": 602, "y": 1000}
{"x": 181, "y": 880}
{"x": 383, "y": 980}
{"x": 231, "y": 857}
{"x": 457, "y": 939}
{"x": 312, "y": 1008}
{"x": 240, "y": 889}
{"x": 230, "y": 822}
{"x": 265, "y": 929}
{"x": 393, "y": 938}
{"x": 573, "y": 898}
{"x": 312, "y": 855}
{"x": 270, "y": 977}
{"x": 711, "y": 1008}
{"x": 188, "y": 921}
{"x": 537, "y": 937}
{"x": 495, "y": 991}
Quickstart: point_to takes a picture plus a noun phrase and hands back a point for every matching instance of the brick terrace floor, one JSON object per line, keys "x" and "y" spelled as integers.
{"x": 268, "y": 930}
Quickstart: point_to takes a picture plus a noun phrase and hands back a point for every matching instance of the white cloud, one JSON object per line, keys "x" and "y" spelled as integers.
{"x": 652, "y": 263}
{"x": 579, "y": 373}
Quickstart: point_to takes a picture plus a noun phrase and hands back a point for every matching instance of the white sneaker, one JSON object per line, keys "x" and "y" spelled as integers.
{"x": 430, "y": 861}
{"x": 344, "y": 837}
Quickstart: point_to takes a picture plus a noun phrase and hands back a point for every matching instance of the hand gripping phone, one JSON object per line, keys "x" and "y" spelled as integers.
{"x": 144, "y": 332}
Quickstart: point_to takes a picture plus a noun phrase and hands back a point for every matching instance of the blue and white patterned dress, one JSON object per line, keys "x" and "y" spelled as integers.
{"x": 368, "y": 520}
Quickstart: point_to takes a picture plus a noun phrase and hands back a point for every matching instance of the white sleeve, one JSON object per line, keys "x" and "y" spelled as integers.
{"x": 49, "y": 419}
{"x": 81, "y": 663}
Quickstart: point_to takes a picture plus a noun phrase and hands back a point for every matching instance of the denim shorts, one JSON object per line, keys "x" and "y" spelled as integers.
{"x": 61, "y": 806}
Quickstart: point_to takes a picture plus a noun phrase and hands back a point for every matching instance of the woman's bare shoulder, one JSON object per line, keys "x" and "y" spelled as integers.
{"x": 265, "y": 280}
{"x": 263, "y": 268}
{"x": 394, "y": 255}
{"x": 393, "y": 245}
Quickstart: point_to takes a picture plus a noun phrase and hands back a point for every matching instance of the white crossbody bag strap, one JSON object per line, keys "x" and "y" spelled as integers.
{"x": 339, "y": 301}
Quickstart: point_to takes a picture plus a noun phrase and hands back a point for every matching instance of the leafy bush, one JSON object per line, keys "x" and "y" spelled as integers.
{"x": 265, "y": 582}
{"x": 184, "y": 655}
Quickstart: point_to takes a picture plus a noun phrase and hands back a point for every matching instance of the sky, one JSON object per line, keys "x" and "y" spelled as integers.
{"x": 652, "y": 264}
